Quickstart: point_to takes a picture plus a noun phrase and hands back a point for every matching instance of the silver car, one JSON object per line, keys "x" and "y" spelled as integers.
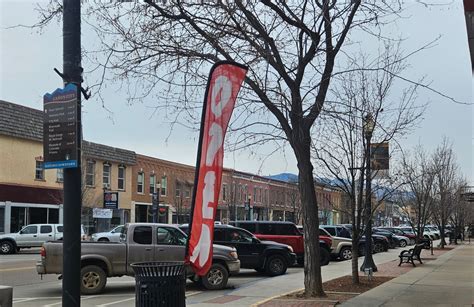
{"x": 108, "y": 236}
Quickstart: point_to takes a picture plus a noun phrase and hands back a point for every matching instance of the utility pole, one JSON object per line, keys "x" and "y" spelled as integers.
{"x": 72, "y": 73}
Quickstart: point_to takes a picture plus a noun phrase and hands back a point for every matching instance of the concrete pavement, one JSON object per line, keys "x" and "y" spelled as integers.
{"x": 265, "y": 289}
{"x": 446, "y": 281}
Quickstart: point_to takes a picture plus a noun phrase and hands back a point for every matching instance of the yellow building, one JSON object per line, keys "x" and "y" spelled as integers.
{"x": 30, "y": 194}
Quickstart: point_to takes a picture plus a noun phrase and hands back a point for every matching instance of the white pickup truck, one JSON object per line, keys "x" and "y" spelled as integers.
{"x": 33, "y": 235}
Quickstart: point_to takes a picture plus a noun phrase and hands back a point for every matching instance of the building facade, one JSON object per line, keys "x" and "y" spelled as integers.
{"x": 31, "y": 194}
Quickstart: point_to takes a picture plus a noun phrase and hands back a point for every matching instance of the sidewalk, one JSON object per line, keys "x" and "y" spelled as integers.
{"x": 268, "y": 288}
{"x": 446, "y": 281}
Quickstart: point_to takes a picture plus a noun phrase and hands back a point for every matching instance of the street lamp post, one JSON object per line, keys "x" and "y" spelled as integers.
{"x": 368, "y": 264}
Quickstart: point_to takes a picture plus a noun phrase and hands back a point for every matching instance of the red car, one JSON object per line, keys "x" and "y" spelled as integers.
{"x": 286, "y": 233}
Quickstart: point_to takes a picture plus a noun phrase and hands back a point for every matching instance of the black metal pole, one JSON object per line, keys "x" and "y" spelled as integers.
{"x": 368, "y": 259}
{"x": 72, "y": 176}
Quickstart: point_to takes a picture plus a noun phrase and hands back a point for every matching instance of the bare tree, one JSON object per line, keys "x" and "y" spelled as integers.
{"x": 291, "y": 48}
{"x": 340, "y": 148}
{"x": 447, "y": 178}
{"x": 417, "y": 197}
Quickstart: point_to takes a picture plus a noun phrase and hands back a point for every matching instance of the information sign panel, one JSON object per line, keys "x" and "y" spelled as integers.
{"x": 60, "y": 128}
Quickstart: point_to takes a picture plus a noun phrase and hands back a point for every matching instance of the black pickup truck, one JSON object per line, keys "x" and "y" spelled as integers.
{"x": 263, "y": 256}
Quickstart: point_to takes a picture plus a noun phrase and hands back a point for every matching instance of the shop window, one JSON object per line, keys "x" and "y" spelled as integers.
{"x": 60, "y": 175}
{"x": 224, "y": 192}
{"x": 90, "y": 173}
{"x": 2, "y": 219}
{"x": 152, "y": 184}
{"x": 121, "y": 178}
{"x": 39, "y": 172}
{"x": 164, "y": 186}
{"x": 106, "y": 175}
{"x": 140, "y": 183}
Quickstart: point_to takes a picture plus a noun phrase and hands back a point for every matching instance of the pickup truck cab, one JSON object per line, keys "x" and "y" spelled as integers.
{"x": 140, "y": 242}
{"x": 33, "y": 235}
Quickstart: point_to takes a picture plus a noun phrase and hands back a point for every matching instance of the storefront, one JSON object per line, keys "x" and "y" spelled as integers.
{"x": 99, "y": 219}
{"x": 144, "y": 213}
{"x": 13, "y": 216}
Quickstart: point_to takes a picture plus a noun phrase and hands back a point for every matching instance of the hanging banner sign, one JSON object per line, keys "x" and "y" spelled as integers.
{"x": 99, "y": 213}
{"x": 111, "y": 200}
{"x": 60, "y": 128}
{"x": 224, "y": 83}
{"x": 379, "y": 156}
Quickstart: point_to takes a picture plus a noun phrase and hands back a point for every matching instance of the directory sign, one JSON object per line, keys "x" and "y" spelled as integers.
{"x": 60, "y": 129}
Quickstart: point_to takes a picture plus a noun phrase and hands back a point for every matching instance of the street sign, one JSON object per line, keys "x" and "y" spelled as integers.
{"x": 60, "y": 128}
{"x": 111, "y": 200}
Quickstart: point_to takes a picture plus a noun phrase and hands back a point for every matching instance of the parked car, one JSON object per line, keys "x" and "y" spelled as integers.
{"x": 263, "y": 256}
{"x": 141, "y": 242}
{"x": 341, "y": 246}
{"x": 33, "y": 235}
{"x": 392, "y": 238}
{"x": 434, "y": 230}
{"x": 399, "y": 232}
{"x": 108, "y": 236}
{"x": 426, "y": 234}
{"x": 285, "y": 233}
{"x": 380, "y": 243}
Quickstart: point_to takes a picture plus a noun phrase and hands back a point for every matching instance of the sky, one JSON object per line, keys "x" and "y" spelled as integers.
{"x": 27, "y": 59}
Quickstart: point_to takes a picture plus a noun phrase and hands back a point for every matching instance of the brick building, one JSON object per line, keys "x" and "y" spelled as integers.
{"x": 31, "y": 194}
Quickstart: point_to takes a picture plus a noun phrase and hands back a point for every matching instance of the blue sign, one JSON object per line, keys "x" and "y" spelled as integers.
{"x": 60, "y": 129}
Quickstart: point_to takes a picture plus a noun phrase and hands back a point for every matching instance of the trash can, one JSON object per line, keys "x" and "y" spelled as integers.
{"x": 159, "y": 284}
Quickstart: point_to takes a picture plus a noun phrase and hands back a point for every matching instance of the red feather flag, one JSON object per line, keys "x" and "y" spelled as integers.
{"x": 224, "y": 83}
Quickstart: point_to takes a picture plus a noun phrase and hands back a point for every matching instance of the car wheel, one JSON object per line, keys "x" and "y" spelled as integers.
{"x": 325, "y": 257}
{"x": 93, "y": 279}
{"x": 103, "y": 240}
{"x": 403, "y": 243}
{"x": 216, "y": 278}
{"x": 276, "y": 265}
{"x": 378, "y": 247}
{"x": 6, "y": 247}
{"x": 346, "y": 253}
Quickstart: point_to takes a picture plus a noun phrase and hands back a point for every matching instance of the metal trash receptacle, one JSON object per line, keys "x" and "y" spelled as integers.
{"x": 160, "y": 283}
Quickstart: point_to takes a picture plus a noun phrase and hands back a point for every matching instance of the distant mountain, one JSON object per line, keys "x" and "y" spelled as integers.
{"x": 286, "y": 177}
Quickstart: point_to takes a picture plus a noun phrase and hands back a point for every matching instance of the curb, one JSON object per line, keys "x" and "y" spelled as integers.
{"x": 274, "y": 297}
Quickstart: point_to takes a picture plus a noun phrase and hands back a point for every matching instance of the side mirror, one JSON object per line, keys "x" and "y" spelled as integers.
{"x": 255, "y": 240}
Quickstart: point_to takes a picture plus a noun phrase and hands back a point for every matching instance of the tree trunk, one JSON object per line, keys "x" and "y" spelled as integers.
{"x": 442, "y": 235}
{"x": 355, "y": 259}
{"x": 312, "y": 268}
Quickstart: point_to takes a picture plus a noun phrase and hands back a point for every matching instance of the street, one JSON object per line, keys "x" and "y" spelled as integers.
{"x": 19, "y": 271}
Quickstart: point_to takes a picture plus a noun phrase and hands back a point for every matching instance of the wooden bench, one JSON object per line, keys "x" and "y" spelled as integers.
{"x": 407, "y": 256}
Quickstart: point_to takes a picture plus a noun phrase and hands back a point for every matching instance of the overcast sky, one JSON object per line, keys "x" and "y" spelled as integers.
{"x": 27, "y": 59}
